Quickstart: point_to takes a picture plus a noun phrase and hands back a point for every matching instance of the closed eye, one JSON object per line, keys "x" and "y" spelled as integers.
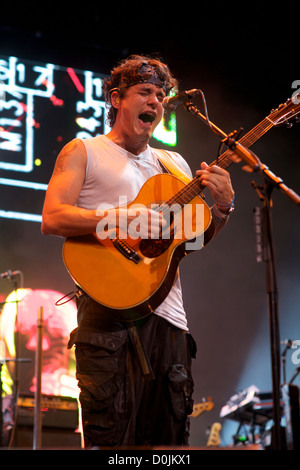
{"x": 148, "y": 91}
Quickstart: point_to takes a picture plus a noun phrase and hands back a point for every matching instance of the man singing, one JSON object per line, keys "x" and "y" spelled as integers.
{"x": 120, "y": 405}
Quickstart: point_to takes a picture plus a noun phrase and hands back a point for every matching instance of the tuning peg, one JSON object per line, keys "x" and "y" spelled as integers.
{"x": 297, "y": 119}
{"x": 289, "y": 125}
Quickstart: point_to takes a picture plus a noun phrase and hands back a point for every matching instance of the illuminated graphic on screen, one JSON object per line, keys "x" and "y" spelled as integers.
{"x": 166, "y": 130}
{"x": 58, "y": 362}
{"x": 42, "y": 107}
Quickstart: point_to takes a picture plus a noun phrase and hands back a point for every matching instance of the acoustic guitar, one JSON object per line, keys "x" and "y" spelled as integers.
{"x": 131, "y": 277}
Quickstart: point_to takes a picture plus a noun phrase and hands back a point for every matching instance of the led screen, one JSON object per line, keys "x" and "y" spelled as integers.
{"x": 20, "y": 313}
{"x": 42, "y": 107}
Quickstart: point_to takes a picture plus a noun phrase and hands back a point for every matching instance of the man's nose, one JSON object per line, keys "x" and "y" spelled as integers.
{"x": 153, "y": 100}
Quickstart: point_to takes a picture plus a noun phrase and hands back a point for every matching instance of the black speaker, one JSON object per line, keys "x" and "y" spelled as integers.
{"x": 51, "y": 438}
{"x": 59, "y": 420}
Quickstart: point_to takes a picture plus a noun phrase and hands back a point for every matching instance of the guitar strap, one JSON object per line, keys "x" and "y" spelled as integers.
{"x": 172, "y": 167}
{"x": 168, "y": 162}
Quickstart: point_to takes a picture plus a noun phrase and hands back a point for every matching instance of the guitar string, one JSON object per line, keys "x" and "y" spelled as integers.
{"x": 193, "y": 188}
{"x": 224, "y": 160}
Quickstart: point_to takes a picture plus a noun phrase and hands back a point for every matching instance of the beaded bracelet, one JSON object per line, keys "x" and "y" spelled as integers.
{"x": 230, "y": 205}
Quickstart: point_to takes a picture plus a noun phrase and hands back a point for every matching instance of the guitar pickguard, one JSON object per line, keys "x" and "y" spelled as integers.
{"x": 153, "y": 248}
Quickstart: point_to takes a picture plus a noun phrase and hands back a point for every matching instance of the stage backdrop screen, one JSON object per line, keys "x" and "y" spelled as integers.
{"x": 42, "y": 107}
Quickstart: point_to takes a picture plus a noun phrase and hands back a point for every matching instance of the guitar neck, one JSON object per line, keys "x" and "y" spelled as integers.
{"x": 194, "y": 188}
{"x": 224, "y": 160}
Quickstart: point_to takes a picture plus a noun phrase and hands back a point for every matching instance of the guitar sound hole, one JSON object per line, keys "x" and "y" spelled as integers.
{"x": 154, "y": 248}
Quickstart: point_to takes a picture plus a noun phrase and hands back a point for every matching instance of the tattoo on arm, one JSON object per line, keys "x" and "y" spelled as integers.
{"x": 61, "y": 162}
{"x": 60, "y": 165}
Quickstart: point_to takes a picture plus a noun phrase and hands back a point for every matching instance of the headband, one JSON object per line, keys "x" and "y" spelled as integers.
{"x": 146, "y": 74}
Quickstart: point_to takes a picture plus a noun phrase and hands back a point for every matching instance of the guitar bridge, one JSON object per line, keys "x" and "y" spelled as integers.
{"x": 126, "y": 250}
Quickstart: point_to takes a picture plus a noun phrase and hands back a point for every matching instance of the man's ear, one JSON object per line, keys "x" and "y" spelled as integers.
{"x": 115, "y": 99}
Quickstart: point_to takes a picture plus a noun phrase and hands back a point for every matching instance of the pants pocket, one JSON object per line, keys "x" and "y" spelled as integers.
{"x": 101, "y": 374}
{"x": 181, "y": 389}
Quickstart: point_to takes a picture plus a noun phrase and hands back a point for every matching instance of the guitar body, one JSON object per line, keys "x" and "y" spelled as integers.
{"x": 131, "y": 288}
{"x": 130, "y": 278}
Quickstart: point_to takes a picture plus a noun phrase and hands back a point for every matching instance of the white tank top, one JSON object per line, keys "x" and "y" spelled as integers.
{"x": 111, "y": 172}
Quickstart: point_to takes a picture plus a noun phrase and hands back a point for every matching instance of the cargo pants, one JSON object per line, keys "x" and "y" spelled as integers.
{"x": 135, "y": 381}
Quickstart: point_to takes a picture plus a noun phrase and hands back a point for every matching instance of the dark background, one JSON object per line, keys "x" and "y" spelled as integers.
{"x": 245, "y": 59}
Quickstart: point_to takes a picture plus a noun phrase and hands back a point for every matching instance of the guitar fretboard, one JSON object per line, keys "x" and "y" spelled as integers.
{"x": 194, "y": 188}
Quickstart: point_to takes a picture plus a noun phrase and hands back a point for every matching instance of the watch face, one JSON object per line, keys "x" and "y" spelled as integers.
{"x": 221, "y": 214}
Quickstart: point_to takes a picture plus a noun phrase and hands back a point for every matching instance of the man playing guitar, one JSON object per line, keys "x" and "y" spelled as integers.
{"x": 134, "y": 376}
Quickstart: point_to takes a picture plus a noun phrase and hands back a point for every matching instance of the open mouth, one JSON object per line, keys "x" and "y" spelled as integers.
{"x": 147, "y": 118}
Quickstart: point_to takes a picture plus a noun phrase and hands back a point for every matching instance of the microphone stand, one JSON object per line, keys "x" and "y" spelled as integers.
{"x": 269, "y": 181}
{"x": 297, "y": 371}
{"x": 2, "y": 363}
{"x": 12, "y": 277}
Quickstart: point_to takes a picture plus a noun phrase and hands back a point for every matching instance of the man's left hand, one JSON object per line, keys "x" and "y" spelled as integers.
{"x": 218, "y": 181}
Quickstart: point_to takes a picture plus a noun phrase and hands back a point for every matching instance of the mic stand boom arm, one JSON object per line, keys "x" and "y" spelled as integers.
{"x": 247, "y": 155}
{"x": 269, "y": 181}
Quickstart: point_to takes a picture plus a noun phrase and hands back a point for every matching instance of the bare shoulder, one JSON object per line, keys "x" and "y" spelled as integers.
{"x": 72, "y": 155}
{"x": 68, "y": 176}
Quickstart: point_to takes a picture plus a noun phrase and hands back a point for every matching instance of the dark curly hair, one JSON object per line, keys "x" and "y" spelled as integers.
{"x": 136, "y": 69}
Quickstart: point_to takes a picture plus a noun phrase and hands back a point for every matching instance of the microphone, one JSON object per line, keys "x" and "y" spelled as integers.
{"x": 288, "y": 343}
{"x": 9, "y": 274}
{"x": 171, "y": 102}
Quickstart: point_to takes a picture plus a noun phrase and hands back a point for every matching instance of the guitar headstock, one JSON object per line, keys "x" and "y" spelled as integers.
{"x": 286, "y": 112}
{"x": 200, "y": 407}
{"x": 214, "y": 435}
